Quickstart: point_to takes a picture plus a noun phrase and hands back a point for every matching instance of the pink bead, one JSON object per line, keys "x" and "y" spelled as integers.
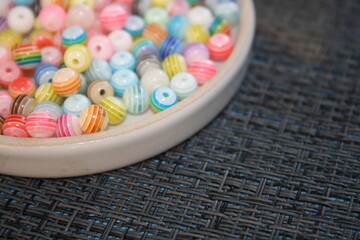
{"x": 126, "y": 3}
{"x": 113, "y": 17}
{"x": 100, "y": 47}
{"x": 101, "y": 4}
{"x": 178, "y": 7}
{"x": 52, "y": 18}
{"x": 4, "y": 7}
{"x": 68, "y": 126}
{"x": 51, "y": 55}
{"x": 9, "y": 71}
{"x": 203, "y": 71}
{"x": 196, "y": 52}
{"x": 81, "y": 15}
{"x": 41, "y": 124}
{"x": 5, "y": 53}
{"x": 5, "y": 104}
{"x": 220, "y": 46}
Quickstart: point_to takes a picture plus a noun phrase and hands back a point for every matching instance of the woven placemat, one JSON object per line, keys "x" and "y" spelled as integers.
{"x": 282, "y": 161}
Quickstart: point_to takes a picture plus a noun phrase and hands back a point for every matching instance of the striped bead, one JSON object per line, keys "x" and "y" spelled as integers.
{"x": 147, "y": 62}
{"x": 41, "y": 124}
{"x": 154, "y": 78}
{"x": 68, "y": 126}
{"x": 41, "y": 38}
{"x": 27, "y": 56}
{"x": 171, "y": 45}
{"x": 196, "y": 52}
{"x": 75, "y": 104}
{"x": 155, "y": 32}
{"x": 136, "y": 99}
{"x": 2, "y": 119}
{"x": 3, "y": 24}
{"x": 113, "y": 17}
{"x": 98, "y": 90}
{"x": 203, "y": 71}
{"x": 44, "y": 73}
{"x": 22, "y": 85}
{"x": 177, "y": 26}
{"x": 46, "y": 92}
{"x": 174, "y": 64}
{"x": 162, "y": 98}
{"x": 78, "y": 57}
{"x": 123, "y": 79}
{"x": 135, "y": 26}
{"x": 183, "y": 85}
{"x": 144, "y": 46}
{"x": 73, "y": 35}
{"x": 220, "y": 25}
{"x": 10, "y": 38}
{"x": 115, "y": 109}
{"x": 196, "y": 33}
{"x": 122, "y": 60}
{"x": 220, "y": 46}
{"x": 66, "y": 82}
{"x": 93, "y": 119}
{"x": 14, "y": 126}
{"x": 49, "y": 107}
{"x": 99, "y": 69}
{"x": 23, "y": 104}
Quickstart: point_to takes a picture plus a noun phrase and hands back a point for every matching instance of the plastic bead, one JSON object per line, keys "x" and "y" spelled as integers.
{"x": 9, "y": 71}
{"x": 49, "y": 107}
{"x": 23, "y": 104}
{"x": 99, "y": 89}
{"x": 41, "y": 124}
{"x": 123, "y": 79}
{"x": 14, "y": 126}
{"x": 155, "y": 32}
{"x": 153, "y": 79}
{"x": 171, "y": 45}
{"x": 44, "y": 73}
{"x": 140, "y": 7}
{"x": 220, "y": 46}
{"x": 174, "y": 64}
{"x": 100, "y": 47}
{"x": 10, "y": 38}
{"x": 203, "y": 71}
{"x": 156, "y": 15}
{"x": 196, "y": 52}
{"x": 160, "y": 3}
{"x": 162, "y": 98}
{"x": 73, "y": 35}
{"x": 52, "y": 17}
{"x": 135, "y": 26}
{"x": 27, "y": 56}
{"x": 51, "y": 55}
{"x": 220, "y": 25}
{"x": 24, "y": 2}
{"x": 196, "y": 33}
{"x": 61, "y": 3}
{"x": 200, "y": 15}
{"x": 3, "y": 23}
{"x": 75, "y": 104}
{"x": 68, "y": 126}
{"x": 20, "y": 19}
{"x": 113, "y": 17}
{"x": 5, "y": 104}
{"x": 41, "y": 38}
{"x": 147, "y": 62}
{"x": 122, "y": 60}
{"x": 78, "y": 57}
{"x": 115, "y": 109}
{"x": 177, "y": 26}
{"x": 90, "y": 3}
{"x": 66, "y": 82}
{"x": 177, "y": 7}
{"x": 144, "y": 46}
{"x": 2, "y": 119}
{"x": 93, "y": 119}
{"x": 21, "y": 85}
{"x": 136, "y": 99}
{"x": 229, "y": 11}
{"x": 81, "y": 15}
{"x": 46, "y": 92}
{"x": 183, "y": 85}
{"x": 84, "y": 84}
{"x": 99, "y": 69}
{"x": 121, "y": 40}
{"x": 5, "y": 54}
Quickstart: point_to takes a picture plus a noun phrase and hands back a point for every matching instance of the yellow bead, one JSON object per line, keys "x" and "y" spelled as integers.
{"x": 37, "y": 24}
{"x": 78, "y": 57}
{"x": 160, "y": 3}
{"x": 10, "y": 38}
{"x": 90, "y": 3}
{"x": 197, "y": 33}
{"x": 46, "y": 92}
{"x": 115, "y": 109}
{"x": 174, "y": 64}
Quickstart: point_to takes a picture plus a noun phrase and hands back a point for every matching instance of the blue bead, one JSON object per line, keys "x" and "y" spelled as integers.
{"x": 123, "y": 79}
{"x": 136, "y": 99}
{"x": 122, "y": 60}
{"x": 44, "y": 73}
{"x": 75, "y": 104}
{"x": 177, "y": 26}
{"x": 73, "y": 35}
{"x": 135, "y": 26}
{"x": 99, "y": 69}
{"x": 162, "y": 98}
{"x": 83, "y": 84}
{"x": 145, "y": 47}
{"x": 171, "y": 45}
{"x": 23, "y": 2}
{"x": 50, "y": 107}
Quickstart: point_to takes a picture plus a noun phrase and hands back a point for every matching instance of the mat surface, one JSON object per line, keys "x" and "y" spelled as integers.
{"x": 282, "y": 161}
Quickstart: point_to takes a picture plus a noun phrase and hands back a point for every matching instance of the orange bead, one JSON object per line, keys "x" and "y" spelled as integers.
{"x": 93, "y": 119}
{"x": 155, "y": 32}
{"x": 22, "y": 86}
{"x": 66, "y": 82}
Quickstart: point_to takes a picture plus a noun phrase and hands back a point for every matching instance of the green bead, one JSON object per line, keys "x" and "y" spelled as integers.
{"x": 156, "y": 15}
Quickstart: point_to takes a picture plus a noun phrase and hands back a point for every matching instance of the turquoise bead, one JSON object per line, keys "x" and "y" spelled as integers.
{"x": 75, "y": 104}
{"x": 50, "y": 107}
{"x": 135, "y": 26}
{"x": 99, "y": 69}
{"x": 162, "y": 98}
{"x": 122, "y": 79}
{"x": 136, "y": 99}
{"x": 177, "y": 26}
{"x": 122, "y": 60}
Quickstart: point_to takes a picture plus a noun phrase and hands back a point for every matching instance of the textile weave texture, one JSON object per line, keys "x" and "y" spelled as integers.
{"x": 282, "y": 160}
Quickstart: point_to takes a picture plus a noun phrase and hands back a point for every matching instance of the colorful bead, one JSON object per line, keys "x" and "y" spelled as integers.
{"x": 136, "y": 99}
{"x": 144, "y": 46}
{"x": 140, "y": 7}
{"x": 177, "y": 26}
{"x": 61, "y": 3}
{"x": 21, "y": 85}
{"x": 174, "y": 64}
{"x": 155, "y": 32}
{"x": 100, "y": 47}
{"x": 121, "y": 40}
{"x": 135, "y": 26}
{"x": 81, "y": 15}
{"x": 66, "y": 82}
{"x": 41, "y": 38}
{"x": 229, "y": 11}
{"x": 122, "y": 79}
{"x": 99, "y": 69}
{"x": 75, "y": 104}
{"x": 100, "y": 4}
{"x": 113, "y": 17}
{"x": 122, "y": 60}
{"x": 49, "y": 107}
{"x": 52, "y": 18}
{"x": 147, "y": 62}
{"x": 115, "y": 109}
{"x": 44, "y": 73}
{"x": 183, "y": 85}
{"x": 5, "y": 54}
{"x": 193, "y": 2}
{"x": 196, "y": 52}
{"x": 78, "y": 57}
{"x": 99, "y": 89}
{"x": 93, "y": 119}
{"x": 68, "y": 126}
{"x": 51, "y": 55}
{"x": 24, "y": 2}
{"x": 200, "y": 15}
{"x": 162, "y": 98}
{"x": 27, "y": 56}
{"x": 14, "y": 126}
{"x": 23, "y": 104}
{"x": 156, "y": 15}
{"x": 203, "y": 71}
{"x": 10, "y": 38}
{"x": 9, "y": 71}
{"x": 73, "y": 35}
{"x": 153, "y": 79}
{"x": 5, "y": 104}
{"x": 2, "y": 120}
{"x": 41, "y": 124}
{"x": 3, "y": 23}
{"x": 46, "y": 92}
{"x": 220, "y": 46}
{"x": 160, "y": 3}
{"x": 177, "y": 7}
{"x": 220, "y": 25}
{"x": 90, "y": 3}
{"x": 171, "y": 45}
{"x": 20, "y": 19}
{"x": 196, "y": 33}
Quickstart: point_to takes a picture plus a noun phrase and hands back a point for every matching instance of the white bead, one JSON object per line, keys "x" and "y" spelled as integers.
{"x": 121, "y": 40}
{"x": 153, "y": 79}
{"x": 200, "y": 15}
{"x": 21, "y": 19}
{"x": 183, "y": 84}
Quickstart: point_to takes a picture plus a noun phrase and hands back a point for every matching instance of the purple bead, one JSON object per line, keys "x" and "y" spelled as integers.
{"x": 3, "y": 23}
{"x": 196, "y": 52}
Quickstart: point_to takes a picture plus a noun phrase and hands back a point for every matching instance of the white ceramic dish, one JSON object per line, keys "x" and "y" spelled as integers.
{"x": 139, "y": 139}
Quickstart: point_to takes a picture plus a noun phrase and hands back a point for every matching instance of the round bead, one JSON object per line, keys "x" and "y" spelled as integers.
{"x": 177, "y": 7}
{"x": 177, "y": 26}
{"x": 81, "y": 15}
{"x": 99, "y": 89}
{"x": 51, "y": 55}
{"x": 14, "y": 126}
{"x": 122, "y": 60}
{"x": 2, "y": 119}
{"x": 229, "y": 11}
{"x": 78, "y": 57}
{"x": 41, "y": 38}
{"x": 155, "y": 32}
{"x": 93, "y": 119}
{"x": 144, "y": 46}
{"x": 52, "y": 17}
{"x": 10, "y": 38}
{"x": 84, "y": 84}
{"x": 171, "y": 45}
{"x": 90, "y": 3}
{"x": 99, "y": 69}
{"x": 23, "y": 104}
{"x": 66, "y": 82}
{"x": 3, "y": 23}
{"x": 44, "y": 73}
{"x": 5, "y": 54}
{"x": 140, "y": 7}
{"x": 49, "y": 107}
{"x": 24, "y": 2}
{"x": 113, "y": 17}
{"x": 115, "y": 109}
{"x": 122, "y": 79}
{"x": 136, "y": 99}
{"x": 75, "y": 104}
{"x": 196, "y": 33}
{"x": 156, "y": 15}
{"x": 27, "y": 56}
{"x": 220, "y": 46}
{"x": 20, "y": 19}
{"x": 100, "y": 47}
{"x": 41, "y": 124}
{"x": 220, "y": 25}
{"x": 9, "y": 71}
{"x": 200, "y": 15}
{"x": 147, "y": 62}
{"x": 196, "y": 52}
{"x": 68, "y": 126}
{"x": 162, "y": 98}
{"x": 21, "y": 85}
{"x": 160, "y": 3}
{"x": 153, "y": 79}
{"x": 61, "y": 3}
{"x": 174, "y": 64}
{"x": 121, "y": 40}
{"x": 135, "y": 26}
{"x": 203, "y": 71}
{"x": 5, "y": 104}
{"x": 73, "y": 35}
{"x": 100, "y": 4}
{"x": 183, "y": 85}
{"x": 46, "y": 92}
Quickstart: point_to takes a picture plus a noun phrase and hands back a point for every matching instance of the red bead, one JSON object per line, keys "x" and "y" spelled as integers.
{"x": 14, "y": 126}
{"x": 203, "y": 71}
{"x": 220, "y": 46}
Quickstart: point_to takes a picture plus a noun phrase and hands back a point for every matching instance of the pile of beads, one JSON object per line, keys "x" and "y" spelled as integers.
{"x": 69, "y": 67}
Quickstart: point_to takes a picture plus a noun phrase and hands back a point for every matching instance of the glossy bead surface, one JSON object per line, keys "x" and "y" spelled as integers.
{"x": 143, "y": 46}
{"x": 66, "y": 82}
{"x": 147, "y": 62}
{"x": 2, "y": 119}
{"x": 84, "y": 84}
{"x": 46, "y": 92}
{"x": 100, "y": 4}
{"x": 10, "y": 38}
{"x": 121, "y": 40}
{"x": 41, "y": 124}
{"x": 20, "y": 19}
{"x": 99, "y": 89}
{"x": 155, "y": 32}
{"x": 162, "y": 98}
{"x": 113, "y": 17}
{"x": 220, "y": 46}
{"x": 196, "y": 33}
{"x": 78, "y": 57}
{"x": 21, "y": 85}
{"x": 203, "y": 71}
{"x": 220, "y": 25}
{"x": 68, "y": 125}
{"x": 174, "y": 64}
{"x": 41, "y": 38}
{"x": 5, "y": 103}
{"x": 100, "y": 47}
{"x": 93, "y": 119}
{"x": 51, "y": 55}
{"x": 200, "y": 15}
{"x": 52, "y": 17}
{"x": 27, "y": 56}
{"x": 75, "y": 104}
{"x": 171, "y": 45}
{"x": 49, "y": 107}
{"x": 156, "y": 15}
{"x": 177, "y": 26}
{"x": 136, "y": 99}
{"x": 154, "y": 78}
{"x": 3, "y": 23}
{"x": 122, "y": 60}
{"x": 23, "y": 104}
{"x": 99, "y": 69}
{"x": 177, "y": 7}
{"x": 81, "y": 15}
{"x": 135, "y": 26}
{"x": 196, "y": 52}
{"x": 229, "y": 11}
{"x": 183, "y": 85}
{"x": 14, "y": 126}
{"x": 5, "y": 54}
{"x": 44, "y": 73}
{"x": 73, "y": 35}
{"x": 115, "y": 108}
{"x": 122, "y": 79}
{"x": 9, "y": 71}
